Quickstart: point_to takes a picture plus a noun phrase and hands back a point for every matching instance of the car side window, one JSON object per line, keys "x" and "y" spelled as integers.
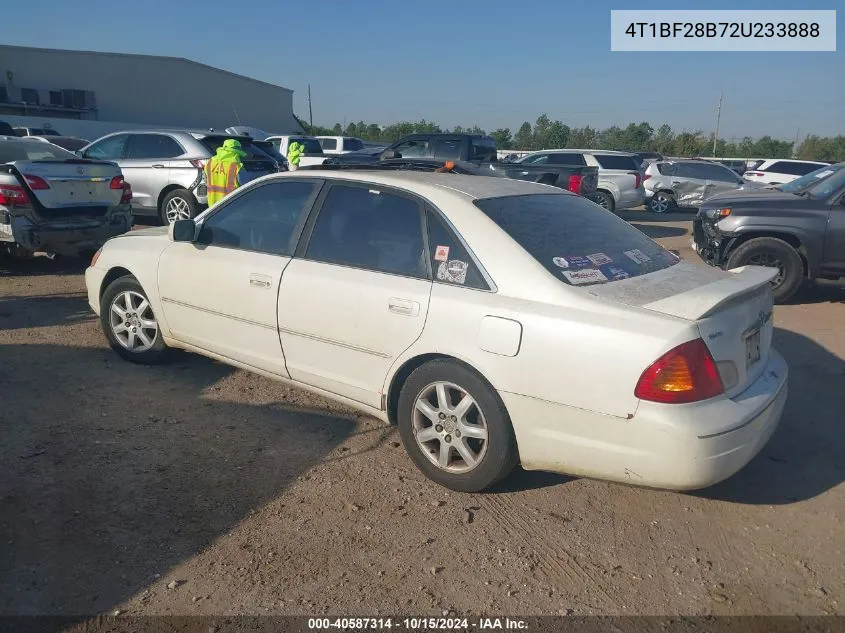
{"x": 328, "y": 143}
{"x": 415, "y": 148}
{"x": 110, "y": 148}
{"x": 153, "y": 146}
{"x": 448, "y": 148}
{"x": 450, "y": 261}
{"x": 371, "y": 229}
{"x": 266, "y": 219}
{"x": 690, "y": 170}
{"x": 566, "y": 158}
{"x": 719, "y": 173}
{"x": 537, "y": 159}
{"x": 352, "y": 145}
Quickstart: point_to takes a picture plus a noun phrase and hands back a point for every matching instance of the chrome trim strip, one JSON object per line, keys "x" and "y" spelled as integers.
{"x": 222, "y": 314}
{"x": 355, "y": 348}
{"x": 77, "y": 179}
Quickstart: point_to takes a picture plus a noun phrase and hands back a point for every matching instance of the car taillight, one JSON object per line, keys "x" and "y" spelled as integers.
{"x": 96, "y": 256}
{"x": 684, "y": 374}
{"x": 637, "y": 179}
{"x": 116, "y": 182}
{"x": 11, "y": 195}
{"x": 36, "y": 183}
{"x": 126, "y": 196}
{"x": 646, "y": 177}
{"x": 575, "y": 181}
{"x": 754, "y": 173}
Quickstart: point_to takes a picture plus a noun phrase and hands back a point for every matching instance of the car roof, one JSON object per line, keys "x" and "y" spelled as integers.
{"x": 474, "y": 187}
{"x": 584, "y": 151}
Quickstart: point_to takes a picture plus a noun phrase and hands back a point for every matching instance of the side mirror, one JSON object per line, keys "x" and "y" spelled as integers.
{"x": 183, "y": 231}
{"x": 390, "y": 153}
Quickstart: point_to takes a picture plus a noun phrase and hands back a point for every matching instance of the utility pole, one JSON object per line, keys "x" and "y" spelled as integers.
{"x": 718, "y": 117}
{"x": 795, "y": 142}
{"x": 310, "y": 114}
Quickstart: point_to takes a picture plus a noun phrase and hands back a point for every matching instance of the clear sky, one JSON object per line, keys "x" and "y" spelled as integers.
{"x": 494, "y": 63}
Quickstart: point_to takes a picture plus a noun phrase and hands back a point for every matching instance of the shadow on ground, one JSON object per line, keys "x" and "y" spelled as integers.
{"x": 806, "y": 455}
{"x": 111, "y": 473}
{"x": 37, "y": 266}
{"x": 43, "y": 311}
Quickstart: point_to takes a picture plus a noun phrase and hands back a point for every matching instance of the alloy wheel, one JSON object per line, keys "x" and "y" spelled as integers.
{"x": 449, "y": 427}
{"x": 132, "y": 321}
{"x": 177, "y": 209}
{"x": 660, "y": 204}
{"x": 770, "y": 261}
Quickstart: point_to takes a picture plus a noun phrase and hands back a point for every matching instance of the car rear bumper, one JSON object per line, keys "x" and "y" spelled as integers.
{"x": 70, "y": 237}
{"x": 682, "y": 447}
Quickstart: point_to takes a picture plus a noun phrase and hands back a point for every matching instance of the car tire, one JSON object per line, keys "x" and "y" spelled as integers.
{"x": 662, "y": 202}
{"x": 604, "y": 200}
{"x": 179, "y": 204}
{"x": 130, "y": 326}
{"x": 483, "y": 432}
{"x": 774, "y": 253}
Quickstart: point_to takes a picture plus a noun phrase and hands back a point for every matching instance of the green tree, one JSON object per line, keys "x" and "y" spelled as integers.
{"x": 558, "y": 135}
{"x": 503, "y": 138}
{"x": 690, "y": 144}
{"x": 541, "y": 132}
{"x": 524, "y": 139}
{"x": 663, "y": 140}
{"x": 831, "y": 149}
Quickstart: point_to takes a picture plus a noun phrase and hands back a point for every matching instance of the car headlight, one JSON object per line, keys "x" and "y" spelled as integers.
{"x": 716, "y": 213}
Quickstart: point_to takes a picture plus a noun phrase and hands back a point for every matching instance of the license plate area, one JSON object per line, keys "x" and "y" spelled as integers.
{"x": 752, "y": 348}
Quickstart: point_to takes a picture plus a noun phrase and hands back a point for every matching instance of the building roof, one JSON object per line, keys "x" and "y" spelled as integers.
{"x": 138, "y": 56}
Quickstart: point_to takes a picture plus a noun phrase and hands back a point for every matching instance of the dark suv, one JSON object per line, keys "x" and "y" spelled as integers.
{"x": 798, "y": 228}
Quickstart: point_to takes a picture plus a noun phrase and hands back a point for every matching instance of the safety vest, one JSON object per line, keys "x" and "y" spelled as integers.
{"x": 221, "y": 178}
{"x": 295, "y": 152}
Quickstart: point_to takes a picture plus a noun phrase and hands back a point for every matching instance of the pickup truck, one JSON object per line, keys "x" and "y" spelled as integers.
{"x": 478, "y": 154}
{"x": 797, "y": 228}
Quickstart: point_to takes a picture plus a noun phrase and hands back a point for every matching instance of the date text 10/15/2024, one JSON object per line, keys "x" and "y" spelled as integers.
{"x": 723, "y": 30}
{"x": 417, "y": 624}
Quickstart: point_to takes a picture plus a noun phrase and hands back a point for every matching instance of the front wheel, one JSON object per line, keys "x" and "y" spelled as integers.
{"x": 772, "y": 253}
{"x": 604, "y": 200}
{"x": 661, "y": 202}
{"x": 455, "y": 427}
{"x": 129, "y": 323}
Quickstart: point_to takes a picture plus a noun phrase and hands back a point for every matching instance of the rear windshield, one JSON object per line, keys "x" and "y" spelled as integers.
{"x": 211, "y": 143}
{"x": 312, "y": 145}
{"x": 810, "y": 179}
{"x": 612, "y": 161}
{"x": 577, "y": 242}
{"x": 28, "y": 150}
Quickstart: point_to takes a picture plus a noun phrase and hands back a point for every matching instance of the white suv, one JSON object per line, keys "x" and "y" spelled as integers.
{"x": 620, "y": 173}
{"x": 780, "y": 170}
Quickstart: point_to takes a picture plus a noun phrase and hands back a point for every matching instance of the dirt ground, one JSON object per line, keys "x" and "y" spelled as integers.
{"x": 194, "y": 488}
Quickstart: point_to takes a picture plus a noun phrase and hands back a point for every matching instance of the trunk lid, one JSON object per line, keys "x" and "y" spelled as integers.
{"x": 733, "y": 312}
{"x": 71, "y": 183}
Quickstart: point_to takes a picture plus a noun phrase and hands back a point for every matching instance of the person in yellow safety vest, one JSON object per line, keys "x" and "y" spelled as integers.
{"x": 223, "y": 169}
{"x": 295, "y": 152}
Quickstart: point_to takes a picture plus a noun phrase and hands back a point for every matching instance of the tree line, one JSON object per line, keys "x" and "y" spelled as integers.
{"x": 548, "y": 134}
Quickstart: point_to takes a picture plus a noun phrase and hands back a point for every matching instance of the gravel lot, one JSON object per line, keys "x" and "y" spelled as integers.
{"x": 194, "y": 488}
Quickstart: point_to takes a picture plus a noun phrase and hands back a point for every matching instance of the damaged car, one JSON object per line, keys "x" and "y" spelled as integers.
{"x": 677, "y": 184}
{"x": 797, "y": 228}
{"x": 55, "y": 202}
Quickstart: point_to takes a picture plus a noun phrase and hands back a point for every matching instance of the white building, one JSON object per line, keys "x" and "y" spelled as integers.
{"x": 88, "y": 94}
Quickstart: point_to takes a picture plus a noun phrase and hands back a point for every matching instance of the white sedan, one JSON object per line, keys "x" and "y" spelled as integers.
{"x": 494, "y": 321}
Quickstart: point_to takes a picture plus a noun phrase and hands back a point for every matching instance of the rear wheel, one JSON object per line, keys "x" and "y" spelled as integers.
{"x": 604, "y": 200}
{"x": 662, "y": 202}
{"x": 129, "y": 323}
{"x": 455, "y": 427}
{"x": 772, "y": 253}
{"x": 179, "y": 204}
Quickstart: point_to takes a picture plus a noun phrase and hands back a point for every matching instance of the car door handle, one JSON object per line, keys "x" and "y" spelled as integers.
{"x": 158, "y": 166}
{"x": 403, "y": 306}
{"x": 260, "y": 281}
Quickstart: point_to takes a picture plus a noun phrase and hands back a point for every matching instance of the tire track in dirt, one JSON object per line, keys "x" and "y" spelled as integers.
{"x": 556, "y": 564}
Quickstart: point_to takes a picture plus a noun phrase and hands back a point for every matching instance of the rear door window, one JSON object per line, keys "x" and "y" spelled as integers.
{"x": 614, "y": 161}
{"x": 413, "y": 148}
{"x": 328, "y": 143}
{"x": 448, "y": 148}
{"x": 565, "y": 158}
{"x": 153, "y": 146}
{"x": 793, "y": 169}
{"x": 352, "y": 145}
{"x": 574, "y": 240}
{"x": 450, "y": 261}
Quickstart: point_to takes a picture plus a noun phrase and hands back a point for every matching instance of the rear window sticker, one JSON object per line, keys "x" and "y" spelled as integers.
{"x": 441, "y": 253}
{"x": 560, "y": 262}
{"x": 454, "y": 271}
{"x": 617, "y": 273}
{"x": 638, "y": 256}
{"x": 587, "y": 276}
{"x": 579, "y": 261}
{"x": 599, "y": 259}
